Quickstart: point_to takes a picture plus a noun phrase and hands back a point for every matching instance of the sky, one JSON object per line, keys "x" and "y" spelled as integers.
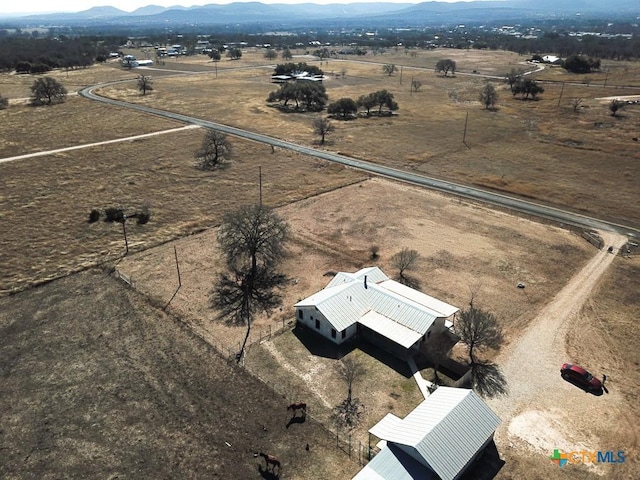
{"x": 46, "y": 6}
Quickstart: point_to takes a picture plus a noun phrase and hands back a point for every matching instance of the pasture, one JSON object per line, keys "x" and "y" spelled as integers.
{"x": 128, "y": 389}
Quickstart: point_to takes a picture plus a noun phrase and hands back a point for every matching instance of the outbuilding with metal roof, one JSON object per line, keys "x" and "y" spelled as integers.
{"x": 439, "y": 439}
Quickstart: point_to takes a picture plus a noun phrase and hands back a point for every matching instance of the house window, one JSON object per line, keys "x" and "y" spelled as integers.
{"x": 333, "y": 333}
{"x": 344, "y": 334}
{"x": 317, "y": 323}
{"x": 300, "y": 314}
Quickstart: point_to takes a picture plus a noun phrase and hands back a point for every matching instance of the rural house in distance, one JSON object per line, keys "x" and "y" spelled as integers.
{"x": 439, "y": 439}
{"x": 384, "y": 312}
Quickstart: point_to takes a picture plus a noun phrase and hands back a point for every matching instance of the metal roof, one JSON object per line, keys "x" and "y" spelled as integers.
{"x": 346, "y": 300}
{"x": 393, "y": 463}
{"x": 401, "y": 309}
{"x": 388, "y": 328}
{"x": 443, "y": 309}
{"x": 446, "y": 429}
{"x": 342, "y": 305}
{"x": 373, "y": 274}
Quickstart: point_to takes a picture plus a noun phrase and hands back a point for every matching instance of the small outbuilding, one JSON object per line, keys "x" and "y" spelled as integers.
{"x": 439, "y": 439}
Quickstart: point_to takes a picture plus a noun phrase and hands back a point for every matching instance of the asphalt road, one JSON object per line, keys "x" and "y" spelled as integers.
{"x": 560, "y": 216}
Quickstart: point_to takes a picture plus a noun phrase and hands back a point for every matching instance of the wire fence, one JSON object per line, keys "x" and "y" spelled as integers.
{"x": 356, "y": 450}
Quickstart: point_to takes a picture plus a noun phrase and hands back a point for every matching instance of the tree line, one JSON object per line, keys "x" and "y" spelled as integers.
{"x": 39, "y": 55}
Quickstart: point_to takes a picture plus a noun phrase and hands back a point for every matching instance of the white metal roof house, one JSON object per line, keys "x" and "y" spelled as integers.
{"x": 439, "y": 439}
{"x": 387, "y": 313}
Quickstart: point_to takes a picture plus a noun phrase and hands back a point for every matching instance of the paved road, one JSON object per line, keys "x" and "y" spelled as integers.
{"x": 561, "y": 216}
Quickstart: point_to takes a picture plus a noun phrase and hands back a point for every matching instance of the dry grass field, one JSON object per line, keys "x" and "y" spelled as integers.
{"x": 166, "y": 378}
{"x": 98, "y": 384}
{"x": 45, "y": 201}
{"x": 584, "y": 160}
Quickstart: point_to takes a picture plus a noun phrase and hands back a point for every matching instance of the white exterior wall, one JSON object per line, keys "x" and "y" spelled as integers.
{"x": 309, "y": 317}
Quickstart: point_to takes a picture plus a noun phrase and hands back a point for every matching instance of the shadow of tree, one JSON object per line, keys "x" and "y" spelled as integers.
{"x": 488, "y": 380}
{"x": 409, "y": 281}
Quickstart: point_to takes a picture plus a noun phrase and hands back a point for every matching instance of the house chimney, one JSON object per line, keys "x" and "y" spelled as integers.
{"x": 365, "y": 282}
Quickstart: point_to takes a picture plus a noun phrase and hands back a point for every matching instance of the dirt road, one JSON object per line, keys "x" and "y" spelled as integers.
{"x": 94, "y": 144}
{"x": 542, "y": 411}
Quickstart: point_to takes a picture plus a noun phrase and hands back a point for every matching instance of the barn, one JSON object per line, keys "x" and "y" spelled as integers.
{"x": 374, "y": 307}
{"x": 439, "y": 439}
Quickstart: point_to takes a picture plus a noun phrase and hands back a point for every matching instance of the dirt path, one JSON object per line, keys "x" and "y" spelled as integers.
{"x": 308, "y": 378}
{"x": 535, "y": 413}
{"x": 87, "y": 145}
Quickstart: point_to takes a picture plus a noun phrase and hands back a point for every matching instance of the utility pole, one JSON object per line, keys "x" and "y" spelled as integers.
{"x": 561, "y": 90}
{"x": 464, "y": 136}
{"x": 260, "y": 181}
{"x": 124, "y": 232}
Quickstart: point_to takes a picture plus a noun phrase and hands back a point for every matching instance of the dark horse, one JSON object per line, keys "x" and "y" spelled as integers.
{"x": 298, "y": 406}
{"x": 271, "y": 461}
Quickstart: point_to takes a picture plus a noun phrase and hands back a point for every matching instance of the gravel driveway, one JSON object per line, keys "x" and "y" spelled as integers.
{"x": 542, "y": 411}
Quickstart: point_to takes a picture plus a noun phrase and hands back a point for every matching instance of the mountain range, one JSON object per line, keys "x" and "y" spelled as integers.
{"x": 373, "y": 14}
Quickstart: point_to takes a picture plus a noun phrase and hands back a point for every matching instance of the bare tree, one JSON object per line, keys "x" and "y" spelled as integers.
{"x": 270, "y": 54}
{"x": 145, "y": 84}
{"x": 415, "y": 85}
{"x": 215, "y": 150}
{"x": 389, "y": 69}
{"x": 405, "y": 259}
{"x": 348, "y": 413}
{"x": 286, "y": 54}
{"x": 479, "y": 330}
{"x": 615, "y": 106}
{"x": 445, "y": 66}
{"x": 513, "y": 77}
{"x": 47, "y": 90}
{"x": 321, "y": 127}
{"x": 575, "y": 103}
{"x": 252, "y": 242}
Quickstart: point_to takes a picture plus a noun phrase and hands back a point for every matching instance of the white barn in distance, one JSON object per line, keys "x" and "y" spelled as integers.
{"x": 382, "y": 311}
